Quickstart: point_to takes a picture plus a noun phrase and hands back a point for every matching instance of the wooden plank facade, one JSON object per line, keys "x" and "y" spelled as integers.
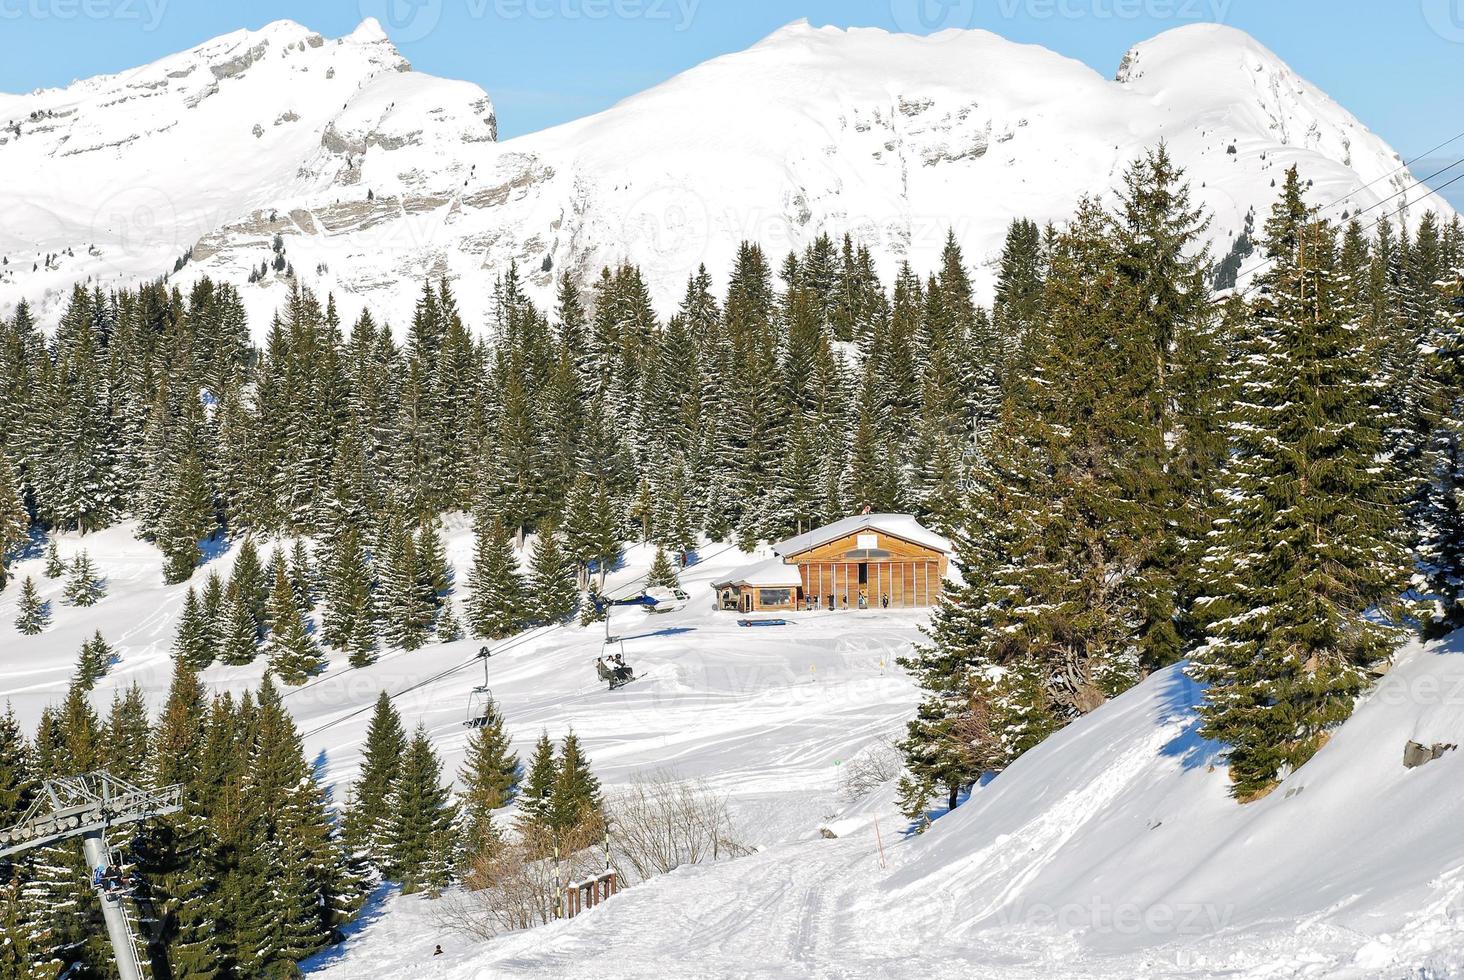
{"x": 869, "y": 569}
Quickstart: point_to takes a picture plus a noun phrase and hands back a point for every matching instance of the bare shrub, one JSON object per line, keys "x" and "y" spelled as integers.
{"x": 661, "y": 822}
{"x": 657, "y": 824}
{"x": 868, "y": 769}
{"x": 513, "y": 883}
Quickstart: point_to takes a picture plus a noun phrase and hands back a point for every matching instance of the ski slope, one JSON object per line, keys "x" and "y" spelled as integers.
{"x": 1110, "y": 851}
{"x": 764, "y": 715}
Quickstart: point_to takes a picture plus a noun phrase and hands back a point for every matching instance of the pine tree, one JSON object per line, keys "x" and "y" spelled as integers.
{"x": 662, "y": 573}
{"x": 236, "y": 632}
{"x": 489, "y": 781}
{"x": 421, "y": 835}
{"x": 289, "y": 647}
{"x": 381, "y": 764}
{"x": 83, "y": 588}
{"x": 55, "y": 567}
{"x": 33, "y": 613}
{"x": 189, "y": 517}
{"x": 249, "y": 582}
{"x": 95, "y": 660}
{"x": 1439, "y": 512}
{"x": 291, "y": 872}
{"x": 535, "y": 798}
{"x": 18, "y": 953}
{"x": 552, "y": 577}
{"x": 14, "y": 517}
{"x": 364, "y": 643}
{"x": 302, "y": 575}
{"x": 1311, "y": 538}
{"x": 127, "y": 752}
{"x": 497, "y": 600}
{"x": 193, "y": 644}
{"x": 407, "y": 605}
{"x": 19, "y": 780}
{"x": 348, "y": 599}
{"x": 449, "y": 630}
{"x": 575, "y": 800}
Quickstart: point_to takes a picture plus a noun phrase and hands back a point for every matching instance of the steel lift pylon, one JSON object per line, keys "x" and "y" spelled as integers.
{"x": 87, "y": 807}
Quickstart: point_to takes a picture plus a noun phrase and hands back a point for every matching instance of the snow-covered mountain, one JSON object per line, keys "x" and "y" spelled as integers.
{"x": 375, "y": 175}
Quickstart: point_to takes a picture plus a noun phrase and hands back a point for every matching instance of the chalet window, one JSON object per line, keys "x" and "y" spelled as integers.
{"x": 776, "y": 597}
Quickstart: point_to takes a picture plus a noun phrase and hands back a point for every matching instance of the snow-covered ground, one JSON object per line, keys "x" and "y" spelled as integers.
{"x": 764, "y": 715}
{"x": 1111, "y": 850}
{"x": 377, "y": 177}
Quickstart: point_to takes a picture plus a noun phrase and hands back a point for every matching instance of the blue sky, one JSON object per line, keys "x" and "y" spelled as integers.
{"x": 1395, "y": 63}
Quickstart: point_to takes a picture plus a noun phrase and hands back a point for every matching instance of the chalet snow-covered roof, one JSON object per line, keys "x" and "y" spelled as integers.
{"x": 901, "y": 526}
{"x": 771, "y": 573}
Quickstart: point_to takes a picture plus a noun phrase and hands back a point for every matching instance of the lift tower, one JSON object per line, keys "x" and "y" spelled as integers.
{"x": 87, "y": 807}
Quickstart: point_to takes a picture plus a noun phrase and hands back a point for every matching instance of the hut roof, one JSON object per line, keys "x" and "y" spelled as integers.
{"x": 901, "y": 526}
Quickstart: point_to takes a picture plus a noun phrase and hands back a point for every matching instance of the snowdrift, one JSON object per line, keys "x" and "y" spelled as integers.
{"x": 1112, "y": 850}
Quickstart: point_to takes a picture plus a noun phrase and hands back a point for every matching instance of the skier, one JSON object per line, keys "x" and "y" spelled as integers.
{"x": 884, "y": 600}
{"x": 437, "y": 951}
{"x": 623, "y": 673}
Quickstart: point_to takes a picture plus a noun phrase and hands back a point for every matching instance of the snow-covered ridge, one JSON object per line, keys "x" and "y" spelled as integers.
{"x": 376, "y": 176}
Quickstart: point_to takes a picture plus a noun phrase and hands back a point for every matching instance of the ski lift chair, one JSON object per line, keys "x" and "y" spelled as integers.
{"x": 614, "y": 675}
{"x": 480, "y": 700}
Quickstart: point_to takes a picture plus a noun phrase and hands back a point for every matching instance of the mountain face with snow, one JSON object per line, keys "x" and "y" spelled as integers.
{"x": 374, "y": 176}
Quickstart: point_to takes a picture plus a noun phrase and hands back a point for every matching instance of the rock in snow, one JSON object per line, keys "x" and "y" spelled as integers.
{"x": 376, "y": 176}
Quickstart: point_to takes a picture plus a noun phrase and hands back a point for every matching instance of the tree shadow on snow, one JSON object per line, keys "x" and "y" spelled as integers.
{"x": 373, "y": 910}
{"x": 318, "y": 768}
{"x": 213, "y": 547}
{"x": 930, "y": 816}
{"x": 1180, "y": 699}
{"x": 34, "y": 544}
{"x": 668, "y": 631}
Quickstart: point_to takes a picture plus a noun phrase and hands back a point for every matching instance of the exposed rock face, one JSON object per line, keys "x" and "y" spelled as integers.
{"x": 1416, "y": 754}
{"x": 892, "y": 139}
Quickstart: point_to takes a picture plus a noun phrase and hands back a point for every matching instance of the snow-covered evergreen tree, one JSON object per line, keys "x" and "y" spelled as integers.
{"x": 1311, "y": 541}
{"x": 497, "y": 600}
{"x": 193, "y": 643}
{"x": 551, "y": 577}
{"x": 366, "y": 820}
{"x": 83, "y": 586}
{"x": 33, "y": 613}
{"x": 95, "y": 660}
{"x": 421, "y": 837}
{"x": 289, "y": 648}
{"x": 487, "y": 781}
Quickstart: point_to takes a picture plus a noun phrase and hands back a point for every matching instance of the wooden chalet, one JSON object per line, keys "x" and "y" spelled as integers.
{"x": 871, "y": 561}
